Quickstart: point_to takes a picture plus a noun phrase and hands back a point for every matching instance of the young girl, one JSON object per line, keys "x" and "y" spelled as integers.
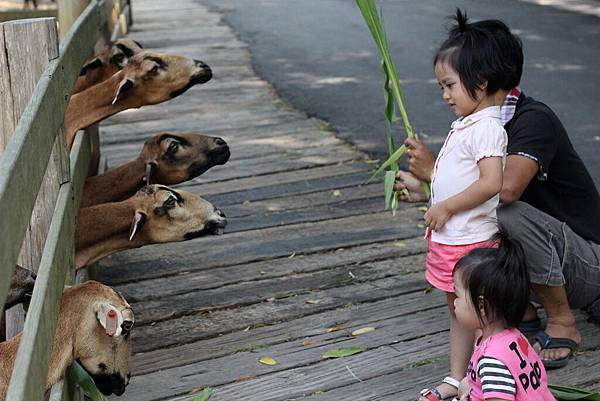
{"x": 492, "y": 293}
{"x": 467, "y": 176}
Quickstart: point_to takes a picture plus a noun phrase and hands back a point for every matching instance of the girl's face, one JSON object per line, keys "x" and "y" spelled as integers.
{"x": 454, "y": 93}
{"x": 463, "y": 307}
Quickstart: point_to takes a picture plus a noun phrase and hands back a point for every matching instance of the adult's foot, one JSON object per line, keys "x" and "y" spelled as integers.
{"x": 558, "y": 328}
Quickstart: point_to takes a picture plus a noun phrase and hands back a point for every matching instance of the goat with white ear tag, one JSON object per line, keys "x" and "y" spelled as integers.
{"x": 93, "y": 328}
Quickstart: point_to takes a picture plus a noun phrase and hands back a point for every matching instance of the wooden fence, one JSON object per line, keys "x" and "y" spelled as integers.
{"x": 40, "y": 184}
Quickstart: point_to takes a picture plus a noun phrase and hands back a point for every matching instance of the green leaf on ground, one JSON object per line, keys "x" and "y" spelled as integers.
{"x": 342, "y": 352}
{"x": 204, "y": 394}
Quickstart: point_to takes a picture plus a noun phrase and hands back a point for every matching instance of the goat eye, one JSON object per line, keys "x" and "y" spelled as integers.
{"x": 173, "y": 146}
{"x": 170, "y": 202}
{"x": 118, "y": 58}
{"x": 154, "y": 70}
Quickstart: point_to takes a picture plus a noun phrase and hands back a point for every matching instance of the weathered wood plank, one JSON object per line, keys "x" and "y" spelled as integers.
{"x": 215, "y": 278}
{"x": 262, "y": 336}
{"x": 248, "y": 246}
{"x": 234, "y": 295}
{"x": 38, "y": 39}
{"x": 395, "y": 335}
{"x": 192, "y": 328}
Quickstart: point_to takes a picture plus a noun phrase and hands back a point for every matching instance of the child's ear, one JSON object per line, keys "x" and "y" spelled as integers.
{"x": 481, "y": 305}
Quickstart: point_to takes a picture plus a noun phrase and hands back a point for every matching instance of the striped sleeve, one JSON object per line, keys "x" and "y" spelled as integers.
{"x": 496, "y": 379}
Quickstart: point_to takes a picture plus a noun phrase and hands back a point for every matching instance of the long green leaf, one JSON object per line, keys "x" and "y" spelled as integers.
{"x": 388, "y": 187}
{"x": 564, "y": 393}
{"x": 392, "y": 159}
{"x": 374, "y": 21}
{"x": 87, "y": 384}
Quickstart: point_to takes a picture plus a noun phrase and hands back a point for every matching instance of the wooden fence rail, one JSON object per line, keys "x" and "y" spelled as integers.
{"x": 23, "y": 166}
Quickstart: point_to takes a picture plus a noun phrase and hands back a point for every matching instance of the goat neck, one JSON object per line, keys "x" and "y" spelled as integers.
{"x": 92, "y": 105}
{"x": 106, "y": 231}
{"x": 118, "y": 183}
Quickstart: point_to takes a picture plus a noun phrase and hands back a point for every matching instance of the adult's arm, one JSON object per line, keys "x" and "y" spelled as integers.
{"x": 518, "y": 173}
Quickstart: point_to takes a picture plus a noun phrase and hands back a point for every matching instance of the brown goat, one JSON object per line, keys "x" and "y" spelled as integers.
{"x": 93, "y": 328}
{"x": 106, "y": 63}
{"x": 148, "y": 78}
{"x": 166, "y": 158}
{"x": 21, "y": 287}
{"x": 155, "y": 214}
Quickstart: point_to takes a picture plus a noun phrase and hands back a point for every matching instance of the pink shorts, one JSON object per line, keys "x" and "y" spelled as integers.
{"x": 441, "y": 259}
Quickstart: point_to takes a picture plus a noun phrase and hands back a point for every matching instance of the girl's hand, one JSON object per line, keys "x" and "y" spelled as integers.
{"x": 437, "y": 216}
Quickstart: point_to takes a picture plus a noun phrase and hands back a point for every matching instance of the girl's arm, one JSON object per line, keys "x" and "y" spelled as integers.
{"x": 488, "y": 185}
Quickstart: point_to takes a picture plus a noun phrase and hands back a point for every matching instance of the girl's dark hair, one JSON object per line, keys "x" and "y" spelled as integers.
{"x": 483, "y": 51}
{"x": 499, "y": 275}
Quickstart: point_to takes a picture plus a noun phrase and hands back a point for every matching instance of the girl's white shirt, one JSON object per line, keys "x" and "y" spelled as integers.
{"x": 470, "y": 139}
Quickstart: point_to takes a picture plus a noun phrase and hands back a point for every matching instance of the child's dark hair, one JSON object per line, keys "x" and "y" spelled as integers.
{"x": 483, "y": 51}
{"x": 499, "y": 275}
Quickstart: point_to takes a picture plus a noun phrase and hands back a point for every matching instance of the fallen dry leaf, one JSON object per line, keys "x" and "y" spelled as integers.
{"x": 422, "y": 209}
{"x": 399, "y": 244}
{"x": 244, "y": 378}
{"x": 333, "y": 329}
{"x": 313, "y": 301}
{"x": 364, "y": 330}
{"x": 337, "y": 193}
{"x": 309, "y": 341}
{"x": 267, "y": 360}
{"x": 421, "y": 225}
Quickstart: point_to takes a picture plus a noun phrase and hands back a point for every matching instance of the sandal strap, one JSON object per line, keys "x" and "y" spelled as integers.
{"x": 432, "y": 394}
{"x": 451, "y": 381}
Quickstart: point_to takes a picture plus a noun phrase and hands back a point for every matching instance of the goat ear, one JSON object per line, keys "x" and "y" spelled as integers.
{"x": 124, "y": 86}
{"x": 110, "y": 318}
{"x": 137, "y": 223}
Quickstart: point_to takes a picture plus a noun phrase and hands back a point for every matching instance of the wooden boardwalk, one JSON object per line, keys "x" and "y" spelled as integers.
{"x": 308, "y": 248}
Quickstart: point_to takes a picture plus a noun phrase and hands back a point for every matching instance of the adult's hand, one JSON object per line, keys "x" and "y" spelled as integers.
{"x": 420, "y": 159}
{"x": 406, "y": 180}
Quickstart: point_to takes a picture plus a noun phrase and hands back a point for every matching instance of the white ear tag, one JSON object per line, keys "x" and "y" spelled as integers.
{"x": 111, "y": 319}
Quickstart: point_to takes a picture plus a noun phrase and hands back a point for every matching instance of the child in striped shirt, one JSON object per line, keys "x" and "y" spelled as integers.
{"x": 492, "y": 292}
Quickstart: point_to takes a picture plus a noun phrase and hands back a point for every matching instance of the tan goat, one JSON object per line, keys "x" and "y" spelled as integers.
{"x": 106, "y": 63}
{"x": 93, "y": 328}
{"x": 155, "y": 214}
{"x": 21, "y": 287}
{"x": 148, "y": 78}
{"x": 166, "y": 158}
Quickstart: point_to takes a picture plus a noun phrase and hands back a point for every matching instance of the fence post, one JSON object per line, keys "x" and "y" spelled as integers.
{"x": 68, "y": 12}
{"x": 37, "y": 38}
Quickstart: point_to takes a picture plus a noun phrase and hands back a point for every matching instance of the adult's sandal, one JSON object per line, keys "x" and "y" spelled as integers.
{"x": 548, "y": 342}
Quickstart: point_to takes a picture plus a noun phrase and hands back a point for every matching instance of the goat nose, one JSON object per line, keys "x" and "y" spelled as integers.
{"x": 220, "y": 213}
{"x": 201, "y": 64}
{"x": 220, "y": 142}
